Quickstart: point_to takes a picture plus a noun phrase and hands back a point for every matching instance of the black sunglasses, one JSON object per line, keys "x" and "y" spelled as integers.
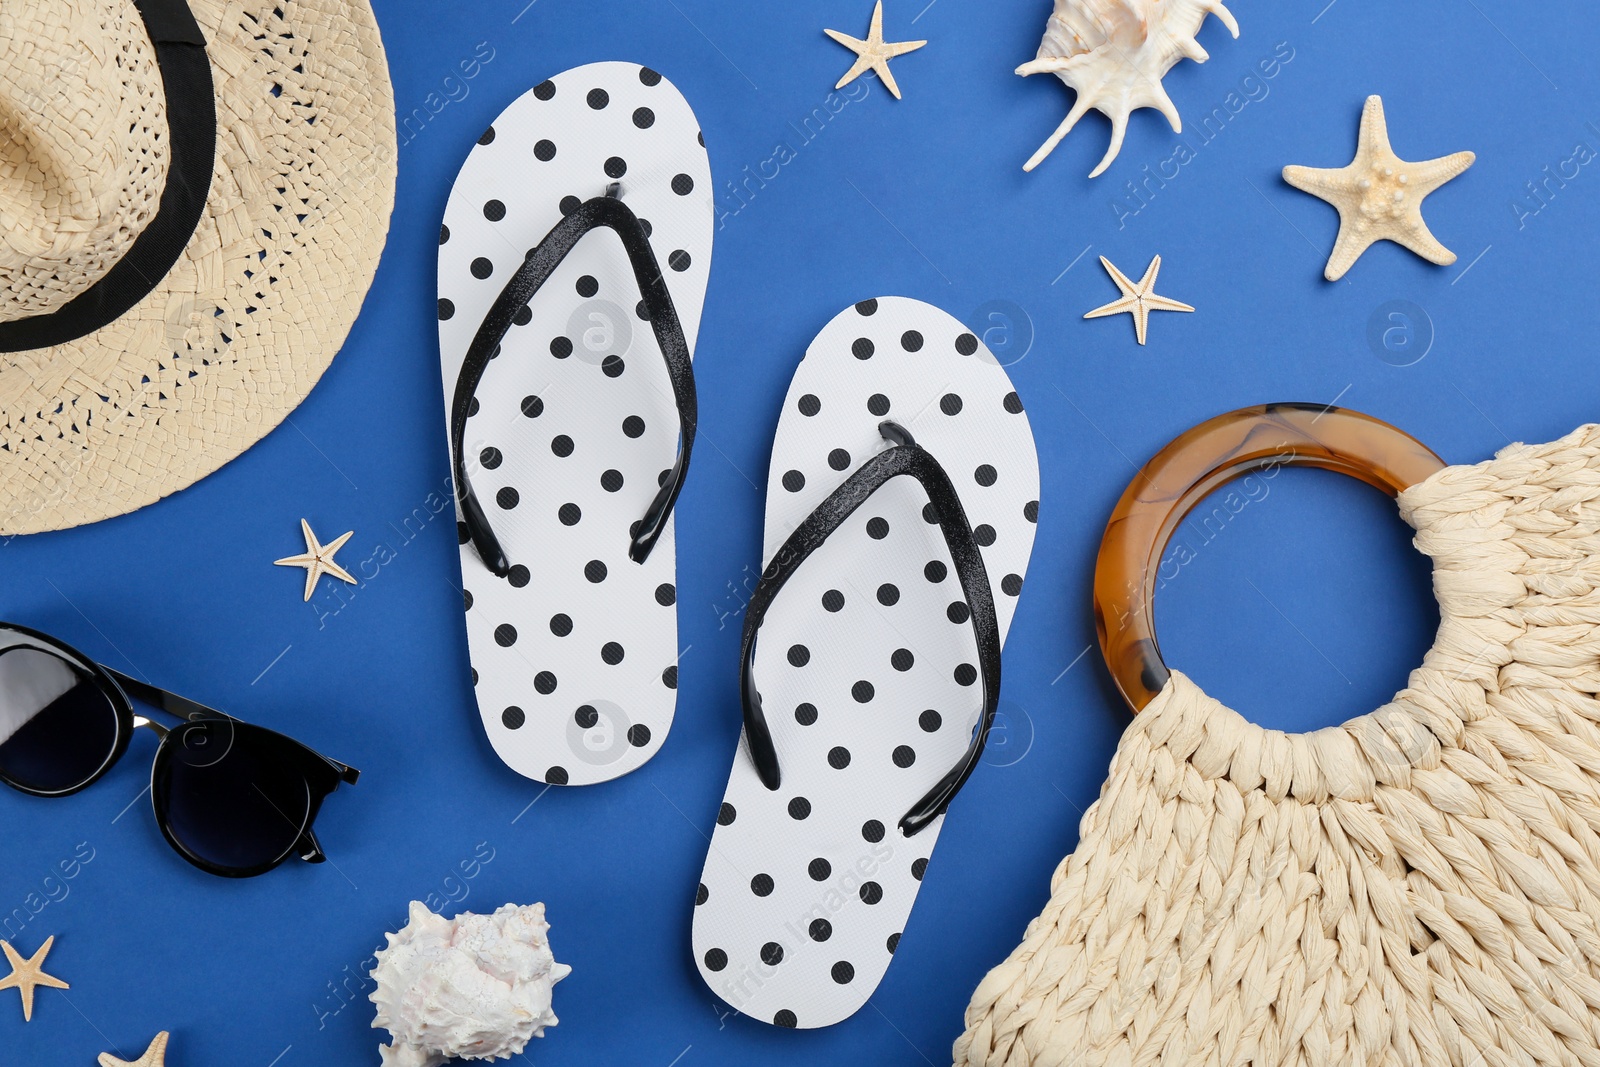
{"x": 233, "y": 799}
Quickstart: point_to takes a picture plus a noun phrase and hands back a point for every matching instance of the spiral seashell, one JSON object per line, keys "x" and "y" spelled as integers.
{"x": 476, "y": 987}
{"x": 1114, "y": 53}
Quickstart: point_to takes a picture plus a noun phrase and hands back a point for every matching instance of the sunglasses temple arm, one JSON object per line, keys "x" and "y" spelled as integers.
{"x": 182, "y": 707}
{"x": 187, "y": 709}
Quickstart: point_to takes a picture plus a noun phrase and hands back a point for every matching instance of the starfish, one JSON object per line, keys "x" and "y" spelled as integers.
{"x": 318, "y": 559}
{"x": 154, "y": 1056}
{"x": 27, "y": 974}
{"x": 1379, "y": 195}
{"x": 874, "y": 53}
{"x": 1137, "y": 300}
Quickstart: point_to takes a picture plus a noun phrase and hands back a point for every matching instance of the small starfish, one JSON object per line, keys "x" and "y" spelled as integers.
{"x": 874, "y": 53}
{"x": 1137, "y": 300}
{"x": 154, "y": 1056}
{"x": 318, "y": 559}
{"x": 1379, "y": 195}
{"x": 27, "y": 974}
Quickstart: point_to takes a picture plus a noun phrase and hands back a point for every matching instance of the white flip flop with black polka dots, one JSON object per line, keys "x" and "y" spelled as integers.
{"x": 872, "y": 652}
{"x": 569, "y": 399}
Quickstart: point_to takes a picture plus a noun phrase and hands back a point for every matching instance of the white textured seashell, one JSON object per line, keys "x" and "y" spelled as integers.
{"x": 476, "y": 987}
{"x": 1115, "y": 53}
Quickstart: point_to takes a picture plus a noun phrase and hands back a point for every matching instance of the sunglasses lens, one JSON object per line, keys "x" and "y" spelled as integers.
{"x": 233, "y": 798}
{"x": 57, "y": 726}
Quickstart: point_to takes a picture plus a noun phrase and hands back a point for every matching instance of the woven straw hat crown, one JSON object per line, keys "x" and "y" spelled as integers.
{"x": 194, "y": 195}
{"x": 83, "y": 146}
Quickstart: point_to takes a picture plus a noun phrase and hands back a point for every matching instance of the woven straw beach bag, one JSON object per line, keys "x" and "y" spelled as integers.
{"x": 1420, "y": 886}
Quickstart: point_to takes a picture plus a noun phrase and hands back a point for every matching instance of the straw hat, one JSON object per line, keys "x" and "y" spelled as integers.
{"x": 193, "y": 199}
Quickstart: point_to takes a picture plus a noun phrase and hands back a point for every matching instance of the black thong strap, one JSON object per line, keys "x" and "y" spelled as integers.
{"x": 608, "y": 211}
{"x": 906, "y": 457}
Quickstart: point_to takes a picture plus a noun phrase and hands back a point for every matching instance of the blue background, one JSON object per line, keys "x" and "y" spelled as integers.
{"x": 1308, "y": 608}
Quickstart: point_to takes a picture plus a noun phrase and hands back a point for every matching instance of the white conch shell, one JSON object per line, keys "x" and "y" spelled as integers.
{"x": 1115, "y": 53}
{"x": 475, "y": 987}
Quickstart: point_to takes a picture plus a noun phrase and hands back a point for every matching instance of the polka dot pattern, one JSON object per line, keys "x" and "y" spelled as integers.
{"x": 873, "y": 714}
{"x": 574, "y": 419}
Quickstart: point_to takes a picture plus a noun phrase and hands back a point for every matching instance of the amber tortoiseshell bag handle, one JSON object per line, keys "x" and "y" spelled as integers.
{"x": 1190, "y": 469}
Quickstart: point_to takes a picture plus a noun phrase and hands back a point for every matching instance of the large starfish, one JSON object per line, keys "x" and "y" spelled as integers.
{"x": 1137, "y": 300}
{"x": 874, "y": 53}
{"x": 28, "y": 974}
{"x": 154, "y": 1056}
{"x": 1379, "y": 195}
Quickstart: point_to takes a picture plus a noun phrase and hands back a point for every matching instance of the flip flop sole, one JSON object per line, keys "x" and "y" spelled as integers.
{"x": 574, "y": 653}
{"x": 866, "y": 662}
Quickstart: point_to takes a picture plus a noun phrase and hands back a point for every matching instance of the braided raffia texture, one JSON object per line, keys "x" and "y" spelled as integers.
{"x": 1420, "y": 886}
{"x": 83, "y": 146}
{"x": 252, "y": 313}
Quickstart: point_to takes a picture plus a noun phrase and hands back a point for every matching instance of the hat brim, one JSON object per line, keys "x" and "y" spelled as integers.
{"x": 241, "y": 328}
